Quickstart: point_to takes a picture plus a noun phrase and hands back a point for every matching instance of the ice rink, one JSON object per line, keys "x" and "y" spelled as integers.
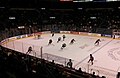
{"x": 106, "y": 54}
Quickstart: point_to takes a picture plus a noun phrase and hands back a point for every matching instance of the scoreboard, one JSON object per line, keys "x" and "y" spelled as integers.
{"x": 90, "y": 0}
{"x": 66, "y": 0}
{"x": 94, "y": 0}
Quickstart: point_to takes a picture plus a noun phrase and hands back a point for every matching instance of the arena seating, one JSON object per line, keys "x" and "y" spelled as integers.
{"x": 86, "y": 19}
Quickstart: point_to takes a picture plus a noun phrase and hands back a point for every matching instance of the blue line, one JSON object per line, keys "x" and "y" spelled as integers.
{"x": 102, "y": 47}
{"x": 92, "y": 53}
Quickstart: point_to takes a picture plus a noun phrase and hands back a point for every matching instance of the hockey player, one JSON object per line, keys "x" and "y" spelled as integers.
{"x": 59, "y": 39}
{"x": 97, "y": 42}
{"x": 29, "y": 50}
{"x": 91, "y": 59}
{"x": 52, "y": 34}
{"x": 39, "y": 36}
{"x": 63, "y": 45}
{"x": 72, "y": 41}
{"x": 64, "y": 37}
{"x": 50, "y": 42}
{"x": 113, "y": 36}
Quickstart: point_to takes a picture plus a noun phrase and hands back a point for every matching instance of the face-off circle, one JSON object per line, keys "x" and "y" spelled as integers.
{"x": 114, "y": 53}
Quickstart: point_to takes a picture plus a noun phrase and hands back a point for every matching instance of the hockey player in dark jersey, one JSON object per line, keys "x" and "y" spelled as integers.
{"x": 72, "y": 41}
{"x": 59, "y": 39}
{"x": 63, "y": 45}
{"x": 50, "y": 42}
{"x": 97, "y": 42}
{"x": 53, "y": 34}
{"x": 64, "y": 37}
{"x": 91, "y": 59}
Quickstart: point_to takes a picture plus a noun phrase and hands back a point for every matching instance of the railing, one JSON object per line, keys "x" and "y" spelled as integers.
{"x": 86, "y": 67}
{"x": 21, "y": 47}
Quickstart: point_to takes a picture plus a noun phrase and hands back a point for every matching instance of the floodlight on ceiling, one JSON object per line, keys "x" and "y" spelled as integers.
{"x": 52, "y": 17}
{"x": 111, "y": 0}
{"x": 80, "y": 8}
{"x": 21, "y": 27}
{"x": 92, "y": 17}
{"x": 42, "y": 8}
{"x": 11, "y": 18}
{"x": 2, "y": 7}
{"x": 82, "y": 0}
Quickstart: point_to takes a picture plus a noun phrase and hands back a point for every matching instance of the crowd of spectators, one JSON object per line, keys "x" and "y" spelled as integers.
{"x": 75, "y": 19}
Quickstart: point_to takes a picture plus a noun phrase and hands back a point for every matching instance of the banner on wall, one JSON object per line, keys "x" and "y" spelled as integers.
{"x": 83, "y": 33}
{"x": 65, "y": 32}
{"x": 23, "y": 36}
{"x": 73, "y": 32}
{"x": 18, "y": 37}
{"x": 29, "y": 35}
{"x": 37, "y": 33}
{"x": 94, "y": 34}
{"x": 105, "y": 35}
{"x": 13, "y": 38}
{"x": 46, "y": 32}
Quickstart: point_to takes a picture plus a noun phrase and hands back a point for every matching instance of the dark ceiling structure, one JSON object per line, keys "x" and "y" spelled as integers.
{"x": 56, "y": 4}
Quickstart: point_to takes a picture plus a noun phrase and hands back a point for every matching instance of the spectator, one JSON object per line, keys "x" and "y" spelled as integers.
{"x": 69, "y": 64}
